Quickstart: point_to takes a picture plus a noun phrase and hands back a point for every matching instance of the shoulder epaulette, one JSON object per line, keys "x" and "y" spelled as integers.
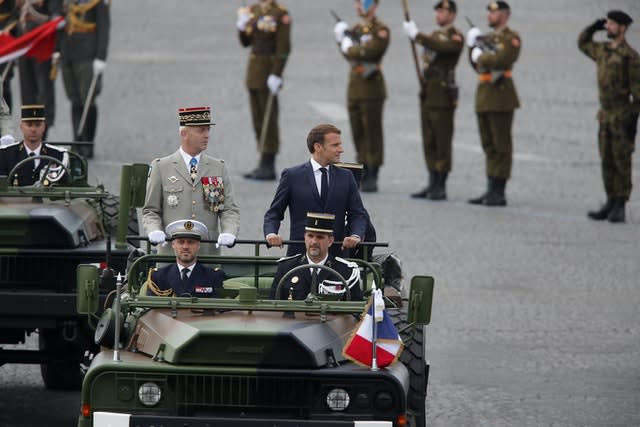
{"x": 285, "y": 258}
{"x": 4, "y": 147}
{"x": 56, "y": 148}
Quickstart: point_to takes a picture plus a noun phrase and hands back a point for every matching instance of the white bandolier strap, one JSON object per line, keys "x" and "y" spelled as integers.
{"x": 329, "y": 286}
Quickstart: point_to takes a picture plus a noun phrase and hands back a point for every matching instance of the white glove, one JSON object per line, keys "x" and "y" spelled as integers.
{"x": 157, "y": 236}
{"x": 274, "y": 83}
{"x": 226, "y": 239}
{"x": 55, "y": 56}
{"x": 98, "y": 66}
{"x": 346, "y": 44}
{"x": 339, "y": 30}
{"x": 410, "y": 29}
{"x": 475, "y": 54}
{"x": 472, "y": 35}
{"x": 7, "y": 139}
{"x": 244, "y": 16}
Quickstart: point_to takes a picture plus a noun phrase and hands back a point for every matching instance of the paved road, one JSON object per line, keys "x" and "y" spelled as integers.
{"x": 536, "y": 314}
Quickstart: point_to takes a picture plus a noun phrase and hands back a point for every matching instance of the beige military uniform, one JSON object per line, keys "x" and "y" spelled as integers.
{"x": 171, "y": 196}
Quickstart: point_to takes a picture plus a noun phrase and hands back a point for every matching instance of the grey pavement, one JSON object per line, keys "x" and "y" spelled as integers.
{"x": 536, "y": 309}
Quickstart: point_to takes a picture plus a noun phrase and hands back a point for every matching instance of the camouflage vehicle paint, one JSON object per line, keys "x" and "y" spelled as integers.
{"x": 45, "y": 233}
{"x": 245, "y": 360}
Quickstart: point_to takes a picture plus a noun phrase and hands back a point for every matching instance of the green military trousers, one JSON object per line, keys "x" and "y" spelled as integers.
{"x": 495, "y": 135}
{"x": 616, "y": 149}
{"x": 366, "y": 128}
{"x": 437, "y": 134}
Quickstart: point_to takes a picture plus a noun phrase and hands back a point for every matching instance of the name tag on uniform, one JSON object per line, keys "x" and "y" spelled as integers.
{"x": 203, "y": 289}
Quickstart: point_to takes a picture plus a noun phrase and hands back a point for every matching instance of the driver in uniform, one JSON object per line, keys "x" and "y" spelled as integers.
{"x": 318, "y": 238}
{"x": 33, "y": 126}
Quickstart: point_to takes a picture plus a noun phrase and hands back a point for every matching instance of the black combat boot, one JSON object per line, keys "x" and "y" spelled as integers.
{"x": 495, "y": 196}
{"x": 438, "y": 192}
{"x": 370, "y": 182}
{"x": 603, "y": 212}
{"x": 480, "y": 199}
{"x": 617, "y": 211}
{"x": 266, "y": 169}
{"x": 422, "y": 194}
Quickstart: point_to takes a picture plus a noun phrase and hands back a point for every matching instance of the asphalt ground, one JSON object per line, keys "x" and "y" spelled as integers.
{"x": 536, "y": 308}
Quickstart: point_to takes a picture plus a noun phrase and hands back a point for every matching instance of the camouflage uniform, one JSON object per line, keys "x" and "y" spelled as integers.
{"x": 84, "y": 38}
{"x": 618, "y": 70}
{"x": 269, "y": 35}
{"x": 442, "y": 50}
{"x": 366, "y": 94}
{"x": 496, "y": 100}
{"x": 36, "y": 85}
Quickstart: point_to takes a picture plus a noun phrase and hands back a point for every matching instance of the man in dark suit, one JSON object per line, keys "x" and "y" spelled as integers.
{"x": 185, "y": 277}
{"x": 317, "y": 186}
{"x": 318, "y": 238}
{"x": 33, "y": 126}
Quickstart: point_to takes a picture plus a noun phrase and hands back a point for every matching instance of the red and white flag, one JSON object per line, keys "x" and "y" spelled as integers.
{"x": 37, "y": 43}
{"x": 388, "y": 343}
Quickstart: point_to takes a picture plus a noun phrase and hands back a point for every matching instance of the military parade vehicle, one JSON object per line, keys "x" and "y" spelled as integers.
{"x": 244, "y": 359}
{"x": 46, "y": 231}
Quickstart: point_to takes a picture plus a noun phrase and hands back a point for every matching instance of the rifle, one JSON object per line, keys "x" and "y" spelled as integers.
{"x": 412, "y": 43}
{"x": 355, "y": 37}
{"x": 481, "y": 41}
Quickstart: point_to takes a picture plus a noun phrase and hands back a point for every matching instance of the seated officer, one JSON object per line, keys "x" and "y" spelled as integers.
{"x": 318, "y": 238}
{"x": 33, "y": 126}
{"x": 186, "y": 277}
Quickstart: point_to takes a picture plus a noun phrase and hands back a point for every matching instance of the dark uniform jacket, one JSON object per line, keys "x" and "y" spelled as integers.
{"x": 366, "y": 81}
{"x": 269, "y": 35}
{"x": 441, "y": 53}
{"x": 497, "y": 92}
{"x": 85, "y": 36}
{"x": 299, "y": 283}
{"x": 11, "y": 154}
{"x": 203, "y": 282}
{"x": 297, "y": 191}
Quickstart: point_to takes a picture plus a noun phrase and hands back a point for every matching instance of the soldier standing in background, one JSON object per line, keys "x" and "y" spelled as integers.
{"x": 442, "y": 50}
{"x": 8, "y": 22}
{"x": 266, "y": 27}
{"x": 364, "y": 45}
{"x": 492, "y": 56}
{"x": 36, "y": 85}
{"x": 83, "y": 47}
{"x": 619, "y": 92}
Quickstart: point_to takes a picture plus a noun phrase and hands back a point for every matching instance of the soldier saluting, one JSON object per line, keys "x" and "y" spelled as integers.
{"x": 492, "y": 56}
{"x": 442, "y": 50}
{"x": 619, "y": 92}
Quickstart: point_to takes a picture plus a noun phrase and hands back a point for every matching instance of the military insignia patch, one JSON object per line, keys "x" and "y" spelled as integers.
{"x": 383, "y": 34}
{"x": 286, "y": 19}
{"x": 456, "y": 37}
{"x": 172, "y": 179}
{"x": 295, "y": 279}
{"x": 172, "y": 200}
{"x": 515, "y": 42}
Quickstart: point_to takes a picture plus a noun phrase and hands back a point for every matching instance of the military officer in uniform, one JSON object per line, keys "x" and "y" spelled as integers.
{"x": 186, "y": 276}
{"x": 364, "y": 45}
{"x": 442, "y": 50}
{"x": 32, "y": 125}
{"x": 318, "y": 237}
{"x": 492, "y": 55}
{"x": 619, "y": 92}
{"x": 266, "y": 28}
{"x": 82, "y": 53}
{"x": 36, "y": 85}
{"x": 190, "y": 184}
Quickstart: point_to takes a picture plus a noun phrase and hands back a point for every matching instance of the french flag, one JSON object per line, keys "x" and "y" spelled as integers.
{"x": 37, "y": 43}
{"x": 359, "y": 347}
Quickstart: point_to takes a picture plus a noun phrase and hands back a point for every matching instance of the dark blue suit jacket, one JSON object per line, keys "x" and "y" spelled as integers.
{"x": 202, "y": 282}
{"x": 297, "y": 191}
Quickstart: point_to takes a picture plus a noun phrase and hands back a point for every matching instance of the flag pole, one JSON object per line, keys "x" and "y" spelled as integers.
{"x": 374, "y": 334}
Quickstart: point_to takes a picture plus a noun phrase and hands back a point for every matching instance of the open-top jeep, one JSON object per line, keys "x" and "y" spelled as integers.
{"x": 245, "y": 359}
{"x": 46, "y": 231}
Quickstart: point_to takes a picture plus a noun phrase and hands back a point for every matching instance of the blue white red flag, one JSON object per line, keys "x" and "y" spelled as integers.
{"x": 359, "y": 347}
{"x": 37, "y": 43}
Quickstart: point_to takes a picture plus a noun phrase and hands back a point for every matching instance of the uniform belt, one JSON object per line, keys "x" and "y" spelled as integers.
{"x": 488, "y": 77}
{"x": 87, "y": 27}
{"x": 360, "y": 67}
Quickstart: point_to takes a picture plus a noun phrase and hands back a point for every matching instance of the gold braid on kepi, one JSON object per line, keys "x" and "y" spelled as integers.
{"x": 155, "y": 289}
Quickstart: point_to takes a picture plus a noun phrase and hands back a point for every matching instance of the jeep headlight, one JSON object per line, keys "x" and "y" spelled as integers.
{"x": 338, "y": 399}
{"x": 149, "y": 394}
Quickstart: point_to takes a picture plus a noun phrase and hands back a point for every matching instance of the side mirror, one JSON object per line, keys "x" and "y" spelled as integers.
{"x": 420, "y": 299}
{"x": 88, "y": 280}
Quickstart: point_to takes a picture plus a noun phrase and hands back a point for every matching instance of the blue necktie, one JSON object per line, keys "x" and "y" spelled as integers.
{"x": 324, "y": 186}
{"x": 193, "y": 168}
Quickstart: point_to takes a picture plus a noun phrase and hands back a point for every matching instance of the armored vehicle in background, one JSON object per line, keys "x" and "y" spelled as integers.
{"x": 245, "y": 359}
{"x": 46, "y": 231}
